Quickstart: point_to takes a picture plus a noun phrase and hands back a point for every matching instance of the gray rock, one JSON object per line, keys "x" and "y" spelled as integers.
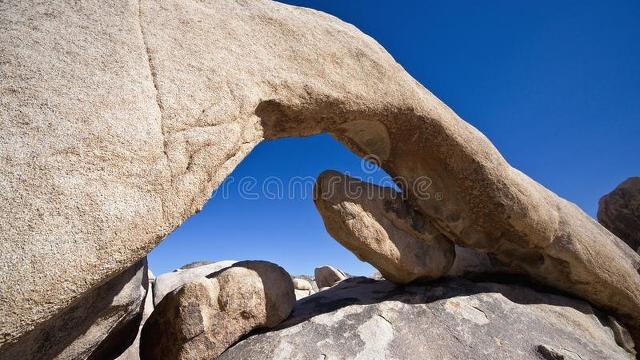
{"x": 100, "y": 325}
{"x": 619, "y": 211}
{"x": 168, "y": 282}
{"x": 361, "y": 318}
{"x": 133, "y": 351}
{"x": 380, "y": 227}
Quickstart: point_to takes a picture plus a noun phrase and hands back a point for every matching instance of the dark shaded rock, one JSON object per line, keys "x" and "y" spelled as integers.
{"x": 361, "y": 318}
{"x": 99, "y": 325}
{"x": 619, "y": 211}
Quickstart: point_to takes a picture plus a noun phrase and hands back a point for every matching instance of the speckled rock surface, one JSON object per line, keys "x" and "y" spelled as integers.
{"x": 119, "y": 119}
{"x": 204, "y": 317}
{"x": 379, "y": 227}
{"x": 361, "y": 318}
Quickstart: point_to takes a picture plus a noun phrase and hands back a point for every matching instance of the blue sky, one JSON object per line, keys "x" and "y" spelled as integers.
{"x": 554, "y": 84}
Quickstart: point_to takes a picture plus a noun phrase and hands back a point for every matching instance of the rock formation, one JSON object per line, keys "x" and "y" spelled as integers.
{"x": 366, "y": 319}
{"x": 302, "y": 288}
{"x": 204, "y": 317}
{"x": 168, "y": 282}
{"x": 327, "y": 276}
{"x": 101, "y": 326}
{"x": 119, "y": 119}
{"x": 619, "y": 211}
{"x": 380, "y": 228}
{"x": 133, "y": 351}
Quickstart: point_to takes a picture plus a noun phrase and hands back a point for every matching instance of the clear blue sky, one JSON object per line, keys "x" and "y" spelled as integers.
{"x": 554, "y": 84}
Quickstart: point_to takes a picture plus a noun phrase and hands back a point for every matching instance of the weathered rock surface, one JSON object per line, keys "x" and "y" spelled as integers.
{"x": 377, "y": 225}
{"x": 168, "y": 282}
{"x": 204, "y": 317}
{"x": 119, "y": 119}
{"x": 361, "y": 318}
{"x": 619, "y": 211}
{"x": 101, "y": 326}
{"x": 133, "y": 351}
{"x": 327, "y": 276}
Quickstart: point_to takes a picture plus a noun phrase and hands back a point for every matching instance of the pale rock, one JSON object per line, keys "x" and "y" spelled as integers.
{"x": 168, "y": 282}
{"x": 202, "y": 318}
{"x": 361, "y": 318}
{"x": 301, "y": 284}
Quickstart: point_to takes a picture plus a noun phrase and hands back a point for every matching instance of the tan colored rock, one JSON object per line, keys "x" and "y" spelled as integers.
{"x": 377, "y": 225}
{"x": 452, "y": 319}
{"x": 327, "y": 276}
{"x": 166, "y": 283}
{"x": 119, "y": 119}
{"x": 301, "y": 284}
{"x": 204, "y": 317}
{"x": 619, "y": 211}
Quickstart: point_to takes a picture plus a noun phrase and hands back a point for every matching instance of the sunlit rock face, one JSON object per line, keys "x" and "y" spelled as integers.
{"x": 377, "y": 225}
{"x": 365, "y": 319}
{"x": 204, "y": 317}
{"x": 119, "y": 119}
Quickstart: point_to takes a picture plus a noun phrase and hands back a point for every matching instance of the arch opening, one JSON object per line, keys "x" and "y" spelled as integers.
{"x": 264, "y": 209}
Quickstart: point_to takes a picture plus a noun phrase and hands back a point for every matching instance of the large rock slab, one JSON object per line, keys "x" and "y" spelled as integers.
{"x": 100, "y": 326}
{"x": 379, "y": 227}
{"x": 619, "y": 211}
{"x": 119, "y": 119}
{"x": 204, "y": 317}
{"x": 362, "y": 318}
{"x": 168, "y": 282}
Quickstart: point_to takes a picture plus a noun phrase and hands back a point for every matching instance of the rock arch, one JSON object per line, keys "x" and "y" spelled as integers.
{"x": 120, "y": 125}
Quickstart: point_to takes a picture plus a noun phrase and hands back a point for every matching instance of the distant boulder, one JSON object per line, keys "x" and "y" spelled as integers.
{"x": 327, "y": 276}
